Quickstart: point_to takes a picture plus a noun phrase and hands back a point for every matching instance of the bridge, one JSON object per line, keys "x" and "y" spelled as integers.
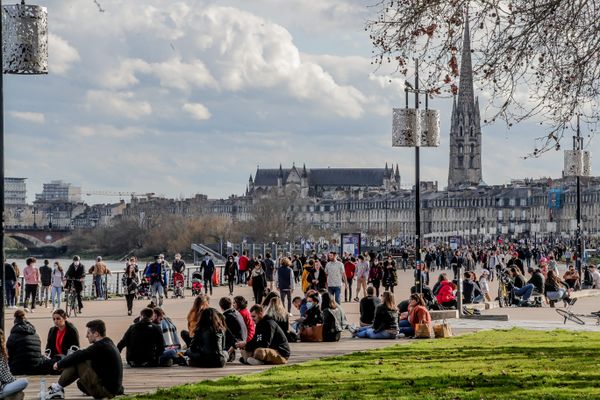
{"x": 39, "y": 237}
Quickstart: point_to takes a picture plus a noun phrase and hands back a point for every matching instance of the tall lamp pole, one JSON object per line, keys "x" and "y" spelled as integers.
{"x": 24, "y": 51}
{"x": 414, "y": 128}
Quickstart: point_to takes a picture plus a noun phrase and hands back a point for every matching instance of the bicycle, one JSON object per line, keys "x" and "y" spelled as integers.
{"x": 567, "y": 314}
{"x": 71, "y": 303}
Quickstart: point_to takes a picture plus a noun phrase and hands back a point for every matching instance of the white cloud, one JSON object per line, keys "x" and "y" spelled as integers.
{"x": 105, "y": 130}
{"x": 197, "y": 111}
{"x": 122, "y": 104}
{"x": 61, "y": 55}
{"x": 36, "y": 118}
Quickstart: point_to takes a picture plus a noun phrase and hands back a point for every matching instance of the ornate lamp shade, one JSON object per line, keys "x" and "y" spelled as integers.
{"x": 577, "y": 163}
{"x": 24, "y": 39}
{"x": 430, "y": 134}
{"x": 406, "y": 127}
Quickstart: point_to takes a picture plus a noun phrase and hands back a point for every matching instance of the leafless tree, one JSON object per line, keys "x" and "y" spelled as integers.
{"x": 536, "y": 58}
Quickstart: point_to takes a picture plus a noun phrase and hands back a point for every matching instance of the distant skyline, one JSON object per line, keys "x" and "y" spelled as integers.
{"x": 185, "y": 97}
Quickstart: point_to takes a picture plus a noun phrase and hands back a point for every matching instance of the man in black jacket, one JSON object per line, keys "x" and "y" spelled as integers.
{"x": 145, "y": 342}
{"x": 9, "y": 284}
{"x": 46, "y": 279}
{"x": 537, "y": 280}
{"x": 236, "y": 328}
{"x": 471, "y": 291}
{"x": 208, "y": 270}
{"x": 269, "y": 344}
{"x": 98, "y": 367}
{"x": 75, "y": 276}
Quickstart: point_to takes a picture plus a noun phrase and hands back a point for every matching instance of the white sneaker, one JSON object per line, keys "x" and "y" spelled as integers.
{"x": 55, "y": 392}
{"x": 254, "y": 361}
{"x": 27, "y": 309}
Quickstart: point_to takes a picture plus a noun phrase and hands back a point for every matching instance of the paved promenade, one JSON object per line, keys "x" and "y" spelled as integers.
{"x": 113, "y": 312}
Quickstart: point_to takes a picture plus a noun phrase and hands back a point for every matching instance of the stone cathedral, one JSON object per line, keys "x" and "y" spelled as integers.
{"x": 465, "y": 131}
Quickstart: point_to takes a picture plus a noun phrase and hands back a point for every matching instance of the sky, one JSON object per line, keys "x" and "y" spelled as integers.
{"x": 184, "y": 97}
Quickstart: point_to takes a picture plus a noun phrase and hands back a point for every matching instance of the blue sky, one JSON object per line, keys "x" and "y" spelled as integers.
{"x": 185, "y": 97}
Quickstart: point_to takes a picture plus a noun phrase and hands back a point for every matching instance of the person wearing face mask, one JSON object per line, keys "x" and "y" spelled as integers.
{"x": 208, "y": 270}
{"x": 75, "y": 276}
{"x": 313, "y": 312}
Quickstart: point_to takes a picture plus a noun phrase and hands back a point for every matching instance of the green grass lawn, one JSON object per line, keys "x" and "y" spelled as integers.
{"x": 513, "y": 364}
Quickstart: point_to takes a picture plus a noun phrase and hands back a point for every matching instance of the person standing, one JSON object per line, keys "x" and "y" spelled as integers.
{"x": 57, "y": 282}
{"x": 208, "y": 270}
{"x": 231, "y": 270}
{"x": 242, "y": 267}
{"x": 349, "y": 270}
{"x": 97, "y": 369}
{"x": 269, "y": 270}
{"x": 99, "y": 271}
{"x": 46, "y": 280}
{"x": 375, "y": 275}
{"x": 75, "y": 276}
{"x": 336, "y": 276}
{"x": 285, "y": 281}
{"x": 362, "y": 275}
{"x": 259, "y": 282}
{"x": 156, "y": 273}
{"x": 390, "y": 277}
{"x": 130, "y": 281}
{"x": 10, "y": 284}
{"x": 31, "y": 276}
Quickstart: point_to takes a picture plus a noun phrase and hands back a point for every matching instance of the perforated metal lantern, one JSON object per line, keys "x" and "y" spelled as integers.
{"x": 573, "y": 163}
{"x": 430, "y": 128}
{"x": 24, "y": 39}
{"x": 406, "y": 127}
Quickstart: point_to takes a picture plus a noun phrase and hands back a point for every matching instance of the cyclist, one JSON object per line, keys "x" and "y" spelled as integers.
{"x": 75, "y": 276}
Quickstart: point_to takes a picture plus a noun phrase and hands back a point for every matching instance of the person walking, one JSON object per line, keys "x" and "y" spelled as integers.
{"x": 231, "y": 270}
{"x": 157, "y": 279}
{"x": 57, "y": 280}
{"x": 285, "y": 282}
{"x": 31, "y": 276}
{"x": 336, "y": 276}
{"x": 362, "y": 276}
{"x": 208, "y": 270}
{"x": 375, "y": 275}
{"x": 130, "y": 281}
{"x": 269, "y": 270}
{"x": 10, "y": 284}
{"x": 46, "y": 280}
{"x": 349, "y": 270}
{"x": 390, "y": 277}
{"x": 259, "y": 282}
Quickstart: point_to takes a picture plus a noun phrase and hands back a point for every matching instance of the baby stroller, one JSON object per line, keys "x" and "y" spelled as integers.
{"x": 143, "y": 290}
{"x": 178, "y": 285}
{"x": 196, "y": 283}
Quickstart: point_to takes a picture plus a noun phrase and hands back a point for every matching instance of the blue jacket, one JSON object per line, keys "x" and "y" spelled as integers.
{"x": 285, "y": 278}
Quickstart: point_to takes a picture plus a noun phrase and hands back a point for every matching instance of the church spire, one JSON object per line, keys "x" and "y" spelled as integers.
{"x": 465, "y": 89}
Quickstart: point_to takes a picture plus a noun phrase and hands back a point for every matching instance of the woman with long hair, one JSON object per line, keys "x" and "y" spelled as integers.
{"x": 57, "y": 283}
{"x": 62, "y": 336}
{"x": 417, "y": 314}
{"x": 201, "y": 303}
{"x": 385, "y": 323}
{"x": 130, "y": 281}
{"x": 8, "y": 384}
{"x": 207, "y": 348}
{"x": 277, "y": 311}
{"x": 259, "y": 282}
{"x": 334, "y": 319}
{"x": 556, "y": 289}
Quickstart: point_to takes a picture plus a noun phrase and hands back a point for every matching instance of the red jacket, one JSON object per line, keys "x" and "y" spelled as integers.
{"x": 249, "y": 323}
{"x": 419, "y": 315}
{"x": 445, "y": 294}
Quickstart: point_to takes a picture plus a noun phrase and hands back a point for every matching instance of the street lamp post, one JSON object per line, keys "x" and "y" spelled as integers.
{"x": 414, "y": 128}
{"x": 24, "y": 51}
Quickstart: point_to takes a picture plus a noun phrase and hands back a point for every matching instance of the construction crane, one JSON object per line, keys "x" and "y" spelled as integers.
{"x": 118, "y": 194}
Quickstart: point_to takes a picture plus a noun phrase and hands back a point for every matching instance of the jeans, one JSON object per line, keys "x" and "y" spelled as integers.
{"x": 55, "y": 296}
{"x": 45, "y": 295}
{"x": 157, "y": 290}
{"x": 30, "y": 291}
{"x": 558, "y": 295}
{"x": 10, "y": 293}
{"x": 336, "y": 291}
{"x": 286, "y": 293}
{"x": 166, "y": 356}
{"x": 406, "y": 328}
{"x": 348, "y": 291}
{"x": 524, "y": 292}
{"x": 98, "y": 285}
{"x": 241, "y": 277}
{"x": 14, "y": 387}
{"x": 369, "y": 332}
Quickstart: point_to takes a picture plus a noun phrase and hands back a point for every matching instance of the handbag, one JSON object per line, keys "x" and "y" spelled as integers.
{"x": 311, "y": 333}
{"x": 250, "y": 282}
{"x": 442, "y": 330}
{"x": 423, "y": 331}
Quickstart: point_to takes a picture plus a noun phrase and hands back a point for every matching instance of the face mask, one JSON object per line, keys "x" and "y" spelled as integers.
{"x": 310, "y": 305}
{"x": 76, "y": 263}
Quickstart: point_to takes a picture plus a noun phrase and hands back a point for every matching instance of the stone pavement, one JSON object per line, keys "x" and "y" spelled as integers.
{"x": 113, "y": 312}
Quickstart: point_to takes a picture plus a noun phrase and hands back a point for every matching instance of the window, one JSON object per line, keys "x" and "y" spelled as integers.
{"x": 472, "y": 148}
{"x": 461, "y": 131}
{"x": 461, "y": 149}
{"x": 472, "y": 162}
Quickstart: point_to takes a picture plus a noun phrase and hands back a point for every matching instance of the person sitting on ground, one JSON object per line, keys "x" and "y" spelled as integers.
{"x": 201, "y": 303}
{"x": 97, "y": 369}
{"x": 267, "y": 300}
{"x": 61, "y": 337}
{"x": 417, "y": 314}
{"x": 207, "y": 349}
{"x": 334, "y": 319}
{"x": 236, "y": 328}
{"x": 9, "y": 385}
{"x": 445, "y": 295}
{"x": 595, "y": 276}
{"x": 269, "y": 345}
{"x": 241, "y": 305}
{"x": 522, "y": 289}
{"x": 169, "y": 330}
{"x": 145, "y": 343}
{"x": 572, "y": 277}
{"x": 385, "y": 323}
{"x": 368, "y": 304}
{"x": 299, "y": 304}
{"x": 277, "y": 311}
{"x": 25, "y": 349}
{"x": 537, "y": 280}
{"x": 313, "y": 311}
{"x": 426, "y": 293}
{"x": 471, "y": 292}
{"x": 556, "y": 289}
